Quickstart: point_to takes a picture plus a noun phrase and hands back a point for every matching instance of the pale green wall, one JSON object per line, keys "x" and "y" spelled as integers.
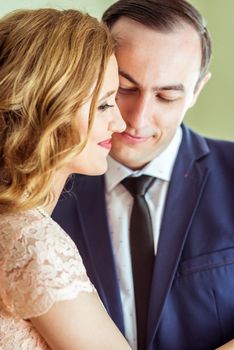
{"x": 213, "y": 114}
{"x": 95, "y": 7}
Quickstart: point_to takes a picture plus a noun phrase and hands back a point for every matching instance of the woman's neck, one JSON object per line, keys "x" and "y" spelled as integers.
{"x": 58, "y": 184}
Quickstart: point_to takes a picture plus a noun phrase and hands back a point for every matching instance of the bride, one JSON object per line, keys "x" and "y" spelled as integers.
{"x": 58, "y": 79}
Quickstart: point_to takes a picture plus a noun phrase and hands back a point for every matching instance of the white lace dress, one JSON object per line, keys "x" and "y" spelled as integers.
{"x": 39, "y": 266}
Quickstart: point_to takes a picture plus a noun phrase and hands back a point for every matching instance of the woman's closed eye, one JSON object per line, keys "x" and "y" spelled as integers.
{"x": 104, "y": 106}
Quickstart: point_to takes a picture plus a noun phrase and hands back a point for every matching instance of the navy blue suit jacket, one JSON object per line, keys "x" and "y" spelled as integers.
{"x": 192, "y": 296}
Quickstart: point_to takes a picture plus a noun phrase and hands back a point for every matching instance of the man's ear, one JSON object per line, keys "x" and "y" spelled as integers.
{"x": 199, "y": 88}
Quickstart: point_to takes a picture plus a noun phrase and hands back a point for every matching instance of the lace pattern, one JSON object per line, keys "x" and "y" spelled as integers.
{"x": 39, "y": 265}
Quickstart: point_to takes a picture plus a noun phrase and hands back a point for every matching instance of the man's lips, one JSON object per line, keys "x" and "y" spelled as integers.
{"x": 133, "y": 139}
{"x": 106, "y": 144}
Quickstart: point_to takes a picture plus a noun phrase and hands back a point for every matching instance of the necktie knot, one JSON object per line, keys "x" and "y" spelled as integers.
{"x": 138, "y": 186}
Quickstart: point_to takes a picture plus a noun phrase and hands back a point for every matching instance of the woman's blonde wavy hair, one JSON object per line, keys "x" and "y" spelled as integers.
{"x": 49, "y": 62}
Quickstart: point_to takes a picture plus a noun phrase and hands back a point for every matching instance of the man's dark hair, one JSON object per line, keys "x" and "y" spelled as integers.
{"x": 164, "y": 16}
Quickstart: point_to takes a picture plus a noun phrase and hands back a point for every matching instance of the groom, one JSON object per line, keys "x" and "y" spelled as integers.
{"x": 163, "y": 51}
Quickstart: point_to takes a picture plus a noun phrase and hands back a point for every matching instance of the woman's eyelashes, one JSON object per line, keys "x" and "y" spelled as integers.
{"x": 104, "y": 106}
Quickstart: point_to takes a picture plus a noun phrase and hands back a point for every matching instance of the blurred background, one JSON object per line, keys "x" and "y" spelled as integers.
{"x": 213, "y": 114}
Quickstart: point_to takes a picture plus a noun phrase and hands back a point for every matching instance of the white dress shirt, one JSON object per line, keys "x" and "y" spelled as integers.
{"x": 119, "y": 207}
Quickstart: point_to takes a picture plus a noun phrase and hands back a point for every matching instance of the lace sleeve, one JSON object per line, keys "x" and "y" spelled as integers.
{"x": 40, "y": 265}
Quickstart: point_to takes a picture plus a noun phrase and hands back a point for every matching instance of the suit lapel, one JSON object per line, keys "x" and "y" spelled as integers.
{"x": 95, "y": 230}
{"x": 185, "y": 190}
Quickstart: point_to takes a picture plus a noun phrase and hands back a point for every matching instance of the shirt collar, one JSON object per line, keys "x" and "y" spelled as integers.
{"x": 160, "y": 167}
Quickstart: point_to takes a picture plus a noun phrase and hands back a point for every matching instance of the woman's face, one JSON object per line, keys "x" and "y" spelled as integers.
{"x": 92, "y": 160}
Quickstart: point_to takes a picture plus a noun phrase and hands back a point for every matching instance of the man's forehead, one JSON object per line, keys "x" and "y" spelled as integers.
{"x": 163, "y": 64}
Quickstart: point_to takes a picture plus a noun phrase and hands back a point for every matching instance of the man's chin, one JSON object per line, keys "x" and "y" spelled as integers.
{"x": 128, "y": 158}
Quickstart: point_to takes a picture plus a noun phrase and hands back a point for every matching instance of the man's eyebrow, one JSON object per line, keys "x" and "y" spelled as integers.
{"x": 128, "y": 77}
{"x": 174, "y": 87}
{"x": 108, "y": 94}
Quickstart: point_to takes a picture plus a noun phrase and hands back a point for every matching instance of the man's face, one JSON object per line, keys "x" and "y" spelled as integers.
{"x": 158, "y": 75}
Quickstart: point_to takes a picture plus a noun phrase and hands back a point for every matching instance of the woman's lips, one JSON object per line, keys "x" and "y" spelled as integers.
{"x": 106, "y": 144}
{"x": 133, "y": 139}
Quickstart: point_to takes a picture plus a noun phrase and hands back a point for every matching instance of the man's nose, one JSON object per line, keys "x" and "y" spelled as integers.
{"x": 140, "y": 112}
{"x": 117, "y": 124}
